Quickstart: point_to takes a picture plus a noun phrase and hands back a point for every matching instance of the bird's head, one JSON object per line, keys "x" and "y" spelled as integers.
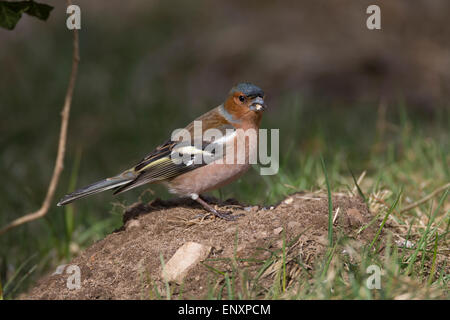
{"x": 245, "y": 100}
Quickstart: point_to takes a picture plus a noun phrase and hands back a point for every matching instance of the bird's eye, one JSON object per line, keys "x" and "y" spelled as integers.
{"x": 242, "y": 98}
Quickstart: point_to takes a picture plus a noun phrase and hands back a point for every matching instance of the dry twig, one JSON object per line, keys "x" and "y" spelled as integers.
{"x": 426, "y": 198}
{"x": 61, "y": 145}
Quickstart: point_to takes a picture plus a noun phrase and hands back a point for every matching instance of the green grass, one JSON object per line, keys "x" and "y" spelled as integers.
{"x": 389, "y": 211}
{"x": 330, "y": 205}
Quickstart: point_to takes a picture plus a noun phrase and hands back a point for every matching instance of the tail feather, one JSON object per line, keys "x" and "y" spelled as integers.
{"x": 100, "y": 186}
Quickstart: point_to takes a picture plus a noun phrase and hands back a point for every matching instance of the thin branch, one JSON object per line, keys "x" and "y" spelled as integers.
{"x": 61, "y": 145}
{"x": 426, "y": 198}
{"x": 336, "y": 214}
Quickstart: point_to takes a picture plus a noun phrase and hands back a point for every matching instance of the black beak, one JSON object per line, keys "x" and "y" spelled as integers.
{"x": 258, "y": 104}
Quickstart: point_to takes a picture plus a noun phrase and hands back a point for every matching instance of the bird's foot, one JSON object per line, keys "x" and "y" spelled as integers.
{"x": 226, "y": 215}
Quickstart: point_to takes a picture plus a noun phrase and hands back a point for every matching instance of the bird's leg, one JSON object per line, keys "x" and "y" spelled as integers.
{"x": 226, "y": 215}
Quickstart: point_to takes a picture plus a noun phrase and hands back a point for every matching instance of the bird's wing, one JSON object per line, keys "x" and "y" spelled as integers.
{"x": 160, "y": 165}
{"x": 211, "y": 119}
{"x": 172, "y": 159}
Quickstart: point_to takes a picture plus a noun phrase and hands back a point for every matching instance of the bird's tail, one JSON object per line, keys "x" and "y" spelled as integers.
{"x": 100, "y": 186}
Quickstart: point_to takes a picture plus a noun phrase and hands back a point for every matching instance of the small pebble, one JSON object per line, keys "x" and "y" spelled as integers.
{"x": 404, "y": 244}
{"x": 277, "y": 230}
{"x": 294, "y": 224}
{"x": 133, "y": 224}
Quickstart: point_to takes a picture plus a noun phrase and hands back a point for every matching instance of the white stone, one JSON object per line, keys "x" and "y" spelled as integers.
{"x": 184, "y": 259}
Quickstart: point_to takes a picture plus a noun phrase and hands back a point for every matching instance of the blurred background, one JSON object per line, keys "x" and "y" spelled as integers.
{"x": 366, "y": 100}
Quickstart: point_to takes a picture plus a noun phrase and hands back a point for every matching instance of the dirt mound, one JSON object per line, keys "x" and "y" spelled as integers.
{"x": 127, "y": 263}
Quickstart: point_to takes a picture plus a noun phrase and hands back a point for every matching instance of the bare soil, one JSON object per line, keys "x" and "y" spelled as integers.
{"x": 127, "y": 263}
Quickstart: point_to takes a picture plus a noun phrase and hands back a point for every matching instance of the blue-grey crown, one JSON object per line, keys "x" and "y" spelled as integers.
{"x": 249, "y": 89}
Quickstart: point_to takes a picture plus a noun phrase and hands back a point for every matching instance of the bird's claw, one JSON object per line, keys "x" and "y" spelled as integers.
{"x": 226, "y": 215}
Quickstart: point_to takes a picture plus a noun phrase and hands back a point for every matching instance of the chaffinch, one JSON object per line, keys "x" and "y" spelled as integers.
{"x": 241, "y": 112}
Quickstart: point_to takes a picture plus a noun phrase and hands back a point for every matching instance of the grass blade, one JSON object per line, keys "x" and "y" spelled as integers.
{"x": 284, "y": 261}
{"x": 385, "y": 219}
{"x": 168, "y": 293}
{"x": 425, "y": 234}
{"x": 357, "y": 185}
{"x": 330, "y": 205}
{"x": 433, "y": 265}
